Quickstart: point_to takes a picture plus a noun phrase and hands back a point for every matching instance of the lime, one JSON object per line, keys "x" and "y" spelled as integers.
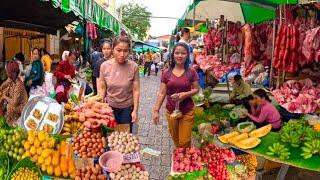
{"x": 14, "y": 156}
{"x": 16, "y": 150}
{"x": 9, "y": 141}
{"x": 14, "y": 138}
{"x": 10, "y": 153}
{"x": 17, "y": 144}
{"x": 21, "y": 151}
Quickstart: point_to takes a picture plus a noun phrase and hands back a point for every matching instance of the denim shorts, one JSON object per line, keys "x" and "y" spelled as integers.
{"x": 123, "y": 115}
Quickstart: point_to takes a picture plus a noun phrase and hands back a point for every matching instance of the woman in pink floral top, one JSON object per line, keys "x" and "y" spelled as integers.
{"x": 263, "y": 112}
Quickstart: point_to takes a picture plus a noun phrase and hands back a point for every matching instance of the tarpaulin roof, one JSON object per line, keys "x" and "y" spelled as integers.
{"x": 91, "y": 11}
{"x": 50, "y": 15}
{"x": 254, "y": 11}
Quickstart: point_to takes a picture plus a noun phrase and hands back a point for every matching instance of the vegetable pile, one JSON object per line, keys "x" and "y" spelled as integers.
{"x": 97, "y": 113}
{"x": 123, "y": 142}
{"x": 130, "y": 172}
{"x": 90, "y": 173}
{"x": 3, "y": 165}
{"x": 89, "y": 144}
{"x": 187, "y": 160}
{"x": 12, "y": 142}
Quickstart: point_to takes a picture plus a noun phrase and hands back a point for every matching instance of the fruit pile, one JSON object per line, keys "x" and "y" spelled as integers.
{"x": 187, "y": 160}
{"x": 123, "y": 142}
{"x": 89, "y": 144}
{"x": 25, "y": 173}
{"x": 279, "y": 150}
{"x": 90, "y": 173}
{"x": 250, "y": 161}
{"x": 12, "y": 142}
{"x": 246, "y": 140}
{"x": 130, "y": 172}
{"x": 294, "y": 132}
{"x": 215, "y": 158}
{"x": 73, "y": 123}
{"x": 40, "y": 148}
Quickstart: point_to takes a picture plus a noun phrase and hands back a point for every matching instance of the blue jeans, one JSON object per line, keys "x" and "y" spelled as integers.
{"x": 123, "y": 116}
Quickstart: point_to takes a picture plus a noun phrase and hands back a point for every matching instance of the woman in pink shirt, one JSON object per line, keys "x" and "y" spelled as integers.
{"x": 263, "y": 112}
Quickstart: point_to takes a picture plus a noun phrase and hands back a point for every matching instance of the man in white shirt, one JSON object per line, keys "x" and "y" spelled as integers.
{"x": 185, "y": 37}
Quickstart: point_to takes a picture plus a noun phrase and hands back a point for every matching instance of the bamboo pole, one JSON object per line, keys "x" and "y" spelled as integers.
{"x": 272, "y": 58}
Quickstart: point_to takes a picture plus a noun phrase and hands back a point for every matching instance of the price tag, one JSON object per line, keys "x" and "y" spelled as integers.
{"x": 131, "y": 158}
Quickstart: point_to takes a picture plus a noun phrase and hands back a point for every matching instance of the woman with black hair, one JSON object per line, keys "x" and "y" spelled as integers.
{"x": 178, "y": 84}
{"x": 263, "y": 112}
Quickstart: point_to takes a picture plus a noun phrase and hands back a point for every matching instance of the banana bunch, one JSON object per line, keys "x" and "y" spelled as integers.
{"x": 310, "y": 148}
{"x": 279, "y": 150}
{"x": 291, "y": 137}
{"x": 72, "y": 128}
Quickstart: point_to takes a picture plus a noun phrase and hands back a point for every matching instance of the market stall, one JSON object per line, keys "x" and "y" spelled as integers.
{"x": 76, "y": 140}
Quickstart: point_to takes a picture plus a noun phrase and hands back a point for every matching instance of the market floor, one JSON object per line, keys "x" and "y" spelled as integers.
{"x": 152, "y": 136}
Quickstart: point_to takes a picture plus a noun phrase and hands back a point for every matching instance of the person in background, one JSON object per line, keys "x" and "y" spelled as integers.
{"x": 36, "y": 75}
{"x": 240, "y": 93}
{"x": 19, "y": 58}
{"x": 65, "y": 72}
{"x": 106, "y": 47}
{"x": 156, "y": 60}
{"x": 119, "y": 83}
{"x": 178, "y": 84}
{"x": 13, "y": 92}
{"x": 185, "y": 38}
{"x": 263, "y": 112}
{"x": 94, "y": 57}
{"x": 64, "y": 55}
{"x": 147, "y": 57}
{"x": 46, "y": 60}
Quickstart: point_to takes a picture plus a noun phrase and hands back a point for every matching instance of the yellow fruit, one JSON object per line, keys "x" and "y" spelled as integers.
{"x": 39, "y": 151}
{"x": 35, "y": 158}
{"x": 44, "y": 144}
{"x": 55, "y": 158}
{"x": 41, "y": 136}
{"x": 33, "y": 150}
{"x": 45, "y": 153}
{"x": 47, "y": 161}
{"x": 57, "y": 171}
{"x": 36, "y": 142}
{"x": 248, "y": 143}
{"x": 261, "y": 131}
{"x": 238, "y": 138}
{"x": 72, "y": 175}
{"x": 71, "y": 167}
{"x": 65, "y": 174}
{"x": 31, "y": 139}
{"x": 40, "y": 160}
{"x": 63, "y": 164}
{"x": 27, "y": 154}
{"x": 51, "y": 143}
{"x": 43, "y": 167}
{"x": 50, "y": 170}
{"x": 27, "y": 145}
{"x": 225, "y": 138}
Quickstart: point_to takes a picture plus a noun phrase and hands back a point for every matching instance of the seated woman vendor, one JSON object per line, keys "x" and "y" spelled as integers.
{"x": 263, "y": 112}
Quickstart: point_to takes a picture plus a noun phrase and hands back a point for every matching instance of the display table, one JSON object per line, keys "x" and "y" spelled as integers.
{"x": 295, "y": 160}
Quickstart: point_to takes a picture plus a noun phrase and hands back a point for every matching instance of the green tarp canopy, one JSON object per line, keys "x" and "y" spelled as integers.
{"x": 254, "y": 11}
{"x": 90, "y": 11}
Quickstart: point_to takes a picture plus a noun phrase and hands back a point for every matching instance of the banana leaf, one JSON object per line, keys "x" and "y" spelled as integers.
{"x": 295, "y": 159}
{"x": 4, "y": 159}
{"x": 106, "y": 130}
{"x": 25, "y": 163}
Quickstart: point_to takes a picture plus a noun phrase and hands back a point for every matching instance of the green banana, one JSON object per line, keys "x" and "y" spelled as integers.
{"x": 279, "y": 150}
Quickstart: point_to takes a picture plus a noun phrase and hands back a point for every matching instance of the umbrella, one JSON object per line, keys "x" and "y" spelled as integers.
{"x": 254, "y": 11}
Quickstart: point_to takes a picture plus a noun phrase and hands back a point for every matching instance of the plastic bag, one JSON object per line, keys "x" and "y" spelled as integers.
{"x": 153, "y": 67}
